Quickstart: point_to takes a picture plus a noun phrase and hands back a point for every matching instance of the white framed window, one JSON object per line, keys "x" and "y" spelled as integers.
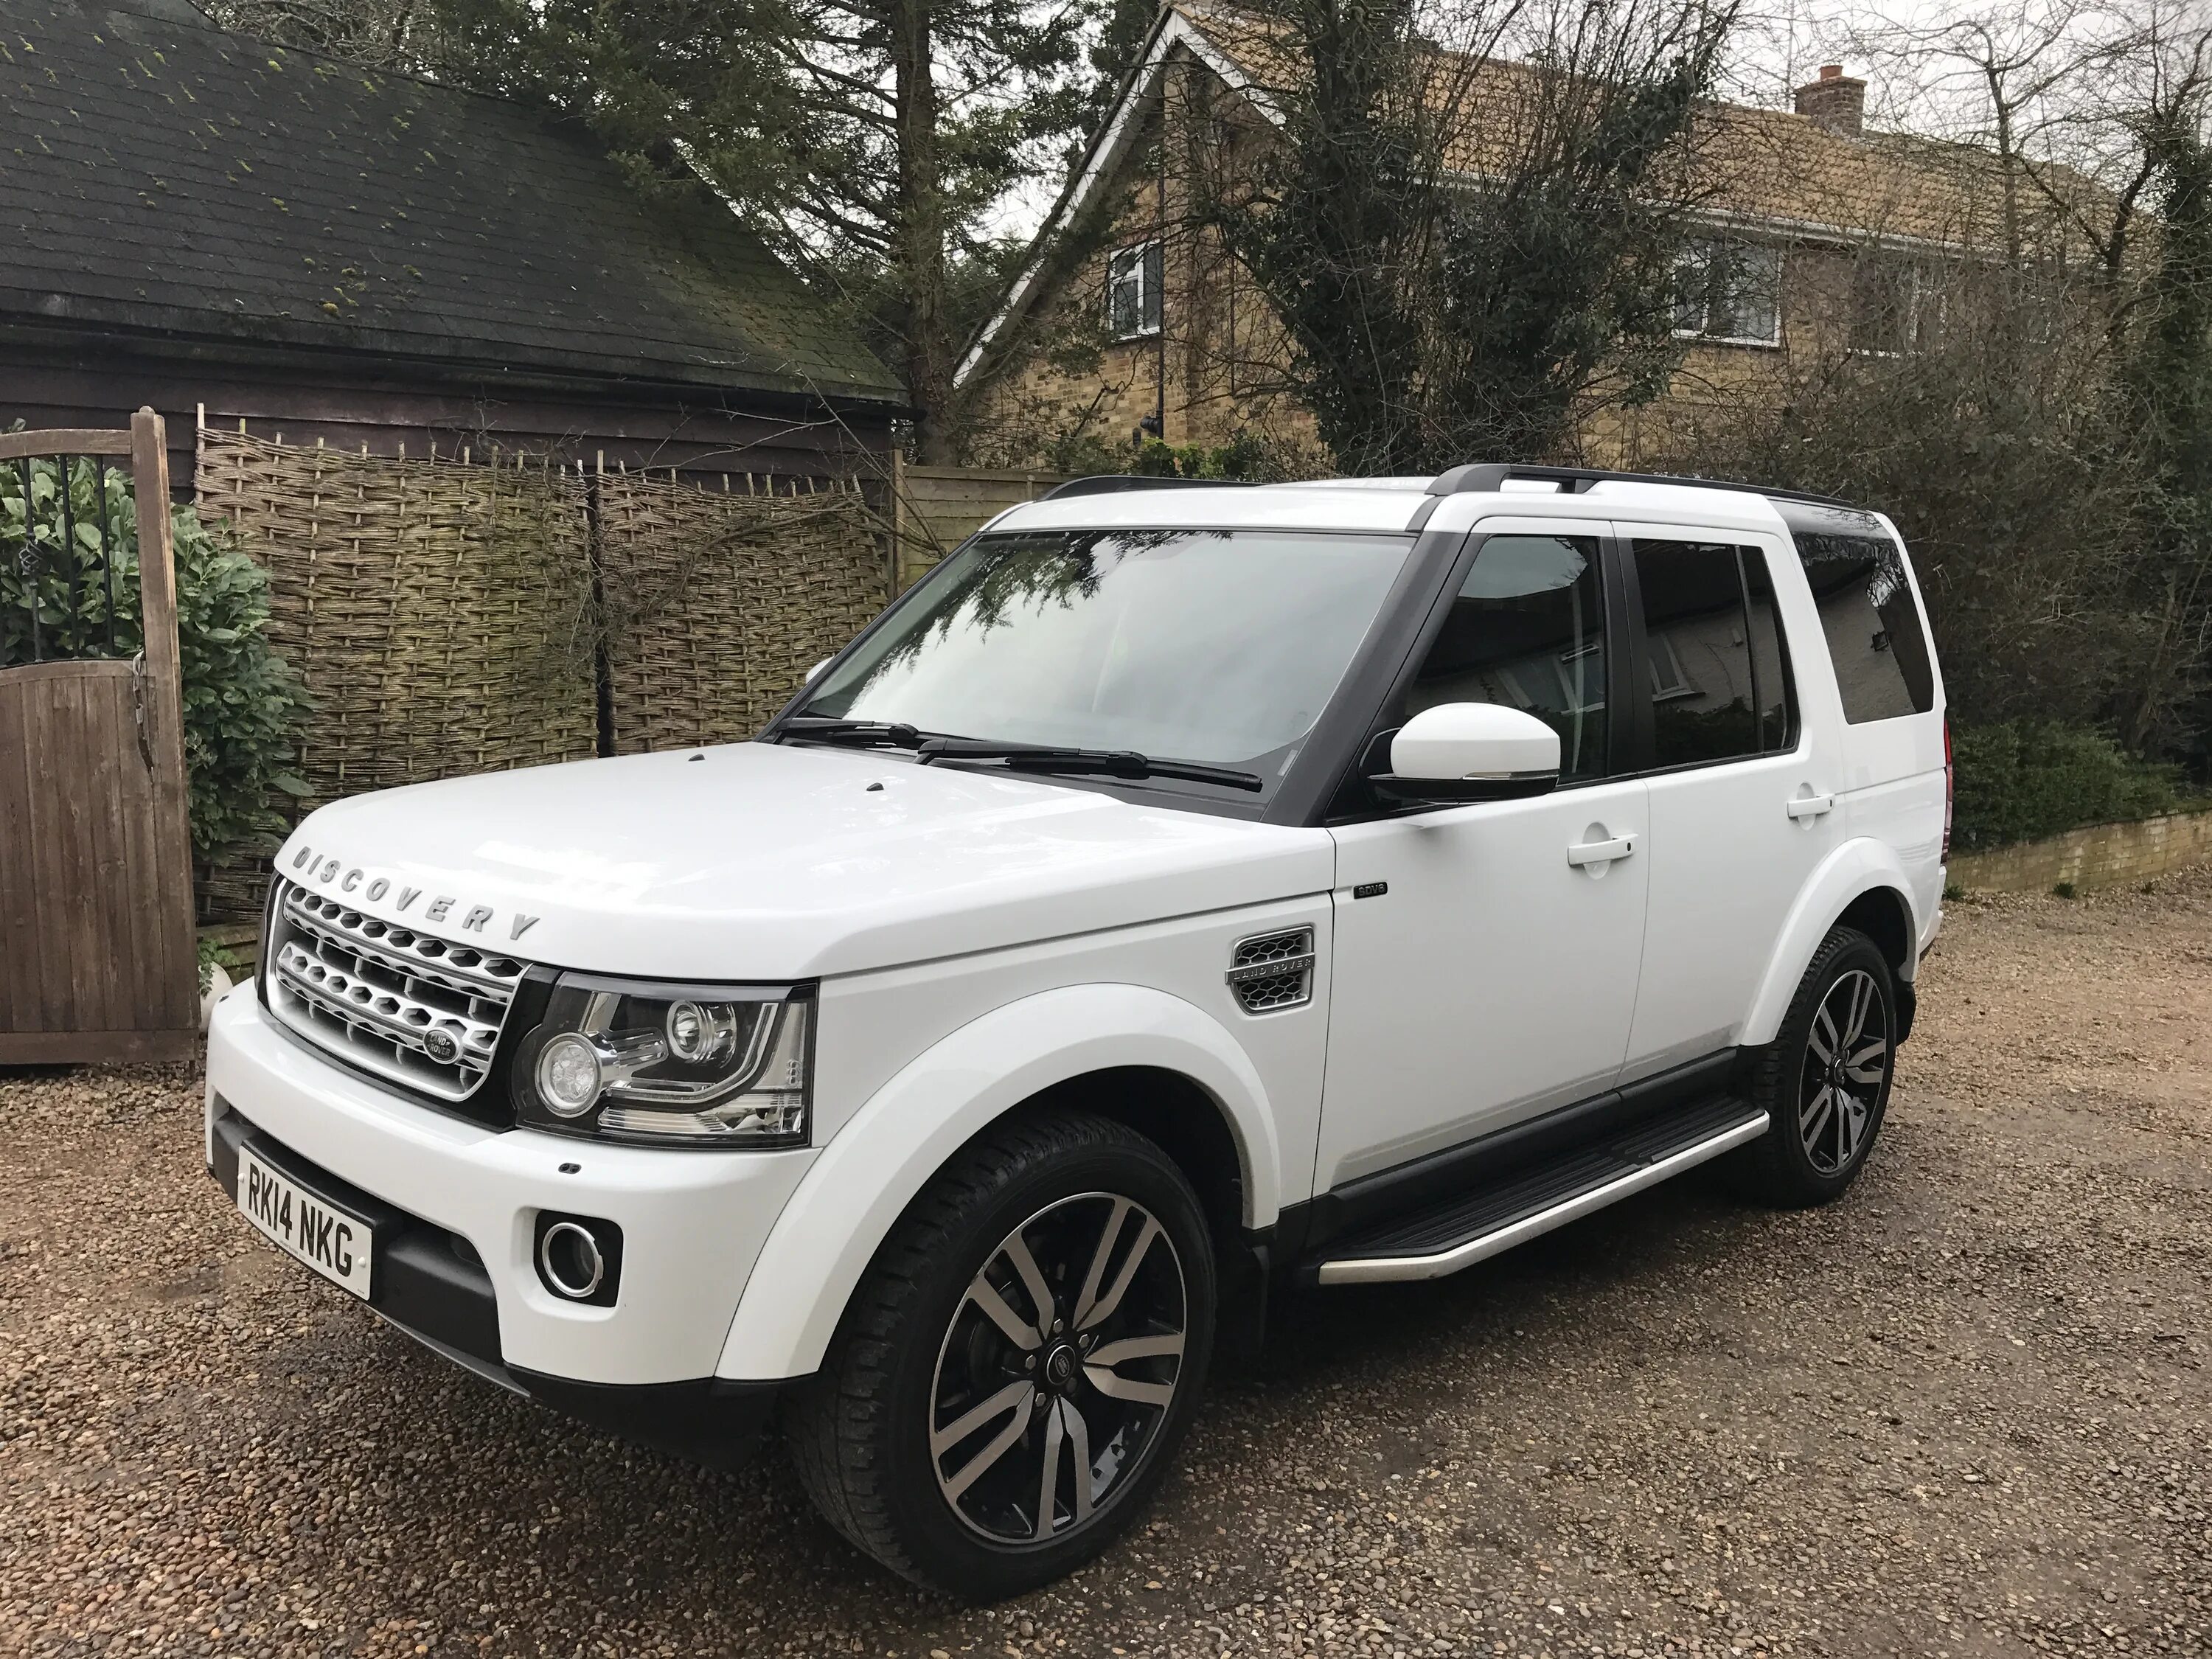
{"x": 1729, "y": 292}
{"x": 1133, "y": 291}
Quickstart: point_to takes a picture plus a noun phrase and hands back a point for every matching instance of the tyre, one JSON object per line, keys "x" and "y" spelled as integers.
{"x": 1010, "y": 1383}
{"x": 1824, "y": 1081}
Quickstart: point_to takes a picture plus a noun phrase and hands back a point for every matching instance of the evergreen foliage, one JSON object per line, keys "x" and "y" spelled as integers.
{"x": 2023, "y": 780}
{"x": 871, "y": 143}
{"x": 241, "y": 700}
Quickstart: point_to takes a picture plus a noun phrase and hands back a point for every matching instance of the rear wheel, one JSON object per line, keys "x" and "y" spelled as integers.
{"x": 1009, "y": 1385}
{"x": 1824, "y": 1081}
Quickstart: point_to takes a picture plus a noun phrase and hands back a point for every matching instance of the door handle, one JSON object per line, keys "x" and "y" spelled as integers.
{"x": 1809, "y": 806}
{"x": 1600, "y": 852}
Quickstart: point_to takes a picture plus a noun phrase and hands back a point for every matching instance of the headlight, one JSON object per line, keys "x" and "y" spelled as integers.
{"x": 633, "y": 1060}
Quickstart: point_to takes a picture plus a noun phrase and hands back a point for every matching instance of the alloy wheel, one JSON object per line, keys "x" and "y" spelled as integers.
{"x": 1847, "y": 1058}
{"x": 1058, "y": 1367}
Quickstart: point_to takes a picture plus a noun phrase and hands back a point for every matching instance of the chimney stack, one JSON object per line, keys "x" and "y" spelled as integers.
{"x": 1836, "y": 101}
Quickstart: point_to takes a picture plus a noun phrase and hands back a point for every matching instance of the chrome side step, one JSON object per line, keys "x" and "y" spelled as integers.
{"x": 1534, "y": 1205}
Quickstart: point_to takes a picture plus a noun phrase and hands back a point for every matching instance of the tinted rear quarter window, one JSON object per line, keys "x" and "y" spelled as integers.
{"x": 1876, "y": 636}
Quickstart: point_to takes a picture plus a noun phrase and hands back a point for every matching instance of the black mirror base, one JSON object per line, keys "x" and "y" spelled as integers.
{"x": 1441, "y": 791}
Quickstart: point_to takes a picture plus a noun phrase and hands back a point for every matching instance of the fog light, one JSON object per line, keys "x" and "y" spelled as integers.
{"x": 579, "y": 1258}
{"x": 569, "y": 1260}
{"x": 568, "y": 1075}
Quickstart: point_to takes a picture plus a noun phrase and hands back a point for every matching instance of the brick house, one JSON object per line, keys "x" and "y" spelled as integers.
{"x": 1813, "y": 234}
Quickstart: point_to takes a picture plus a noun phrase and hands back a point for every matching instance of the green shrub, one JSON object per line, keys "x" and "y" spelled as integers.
{"x": 242, "y": 701}
{"x": 2023, "y": 780}
{"x": 1245, "y": 458}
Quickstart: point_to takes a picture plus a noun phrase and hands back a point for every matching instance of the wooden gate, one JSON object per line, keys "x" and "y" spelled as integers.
{"x": 97, "y": 956}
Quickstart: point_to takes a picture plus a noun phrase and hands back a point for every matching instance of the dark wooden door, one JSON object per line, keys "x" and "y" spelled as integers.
{"x": 97, "y": 958}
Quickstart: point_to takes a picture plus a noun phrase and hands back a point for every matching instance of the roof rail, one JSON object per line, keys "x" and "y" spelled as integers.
{"x": 1114, "y": 484}
{"x": 1487, "y": 477}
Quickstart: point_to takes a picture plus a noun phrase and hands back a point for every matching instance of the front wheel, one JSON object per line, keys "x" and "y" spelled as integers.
{"x": 1008, "y": 1387}
{"x": 1825, "y": 1079}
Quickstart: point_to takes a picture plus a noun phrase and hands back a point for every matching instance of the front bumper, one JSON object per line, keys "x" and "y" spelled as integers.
{"x": 693, "y": 1222}
{"x": 431, "y": 1284}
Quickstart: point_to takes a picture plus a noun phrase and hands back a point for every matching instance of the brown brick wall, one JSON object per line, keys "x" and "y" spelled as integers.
{"x": 2102, "y": 856}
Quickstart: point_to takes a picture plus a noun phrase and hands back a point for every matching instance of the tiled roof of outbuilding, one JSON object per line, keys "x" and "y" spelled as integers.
{"x": 162, "y": 178}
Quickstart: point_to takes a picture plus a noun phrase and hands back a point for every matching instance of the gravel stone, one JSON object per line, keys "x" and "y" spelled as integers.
{"x": 1961, "y": 1412}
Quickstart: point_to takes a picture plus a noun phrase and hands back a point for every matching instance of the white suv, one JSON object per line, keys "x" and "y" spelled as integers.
{"x": 1181, "y": 893}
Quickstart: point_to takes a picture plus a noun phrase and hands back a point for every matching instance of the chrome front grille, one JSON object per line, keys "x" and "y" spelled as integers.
{"x": 1271, "y": 971}
{"x": 423, "y": 1010}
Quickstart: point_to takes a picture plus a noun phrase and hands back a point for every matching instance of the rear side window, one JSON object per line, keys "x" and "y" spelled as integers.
{"x": 1873, "y": 625}
{"x": 1719, "y": 682}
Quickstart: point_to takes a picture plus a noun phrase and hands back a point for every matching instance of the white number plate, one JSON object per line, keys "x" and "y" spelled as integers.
{"x": 335, "y": 1243}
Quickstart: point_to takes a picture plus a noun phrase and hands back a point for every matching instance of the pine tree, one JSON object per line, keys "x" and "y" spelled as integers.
{"x": 871, "y": 143}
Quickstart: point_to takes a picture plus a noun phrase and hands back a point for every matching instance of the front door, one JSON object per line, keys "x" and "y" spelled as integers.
{"x": 1486, "y": 957}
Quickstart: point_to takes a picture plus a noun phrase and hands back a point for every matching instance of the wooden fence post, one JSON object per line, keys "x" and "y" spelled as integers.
{"x": 161, "y": 708}
{"x": 897, "y": 520}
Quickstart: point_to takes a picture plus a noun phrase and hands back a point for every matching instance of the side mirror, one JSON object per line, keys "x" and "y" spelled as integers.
{"x": 815, "y": 673}
{"x": 1470, "y": 751}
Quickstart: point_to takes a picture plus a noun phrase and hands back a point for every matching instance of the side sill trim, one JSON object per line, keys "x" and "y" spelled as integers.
{"x": 1482, "y": 1247}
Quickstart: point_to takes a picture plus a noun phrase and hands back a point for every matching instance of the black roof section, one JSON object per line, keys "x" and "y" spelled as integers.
{"x": 162, "y": 177}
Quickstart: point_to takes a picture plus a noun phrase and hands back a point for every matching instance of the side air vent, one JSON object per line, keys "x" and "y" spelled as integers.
{"x": 1273, "y": 971}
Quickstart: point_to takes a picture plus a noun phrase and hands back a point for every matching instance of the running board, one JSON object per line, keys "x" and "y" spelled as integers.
{"x": 1476, "y": 1226}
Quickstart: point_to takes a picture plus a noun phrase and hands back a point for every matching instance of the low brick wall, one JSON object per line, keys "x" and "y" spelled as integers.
{"x": 2102, "y": 856}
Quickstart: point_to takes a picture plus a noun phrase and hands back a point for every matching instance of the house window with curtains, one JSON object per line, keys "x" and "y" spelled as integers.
{"x": 1133, "y": 291}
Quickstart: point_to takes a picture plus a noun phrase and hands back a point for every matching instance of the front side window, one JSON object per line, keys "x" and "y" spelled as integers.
{"x": 1718, "y": 678}
{"x": 1220, "y": 646}
{"x": 1133, "y": 291}
{"x": 1527, "y": 630}
{"x": 1727, "y": 290}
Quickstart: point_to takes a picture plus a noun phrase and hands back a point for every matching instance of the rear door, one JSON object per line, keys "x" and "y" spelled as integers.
{"x": 1486, "y": 955}
{"x": 1742, "y": 789}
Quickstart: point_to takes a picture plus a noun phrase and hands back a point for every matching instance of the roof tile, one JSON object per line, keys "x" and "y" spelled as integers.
{"x": 157, "y": 174}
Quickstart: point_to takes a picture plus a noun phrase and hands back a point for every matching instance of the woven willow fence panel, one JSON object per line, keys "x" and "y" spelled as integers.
{"x": 718, "y": 604}
{"x": 442, "y": 614}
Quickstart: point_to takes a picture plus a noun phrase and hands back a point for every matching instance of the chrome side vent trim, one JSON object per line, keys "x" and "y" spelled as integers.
{"x": 1270, "y": 972}
{"x": 422, "y": 1011}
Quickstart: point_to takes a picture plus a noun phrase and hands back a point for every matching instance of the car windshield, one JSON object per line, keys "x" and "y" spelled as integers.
{"x": 1220, "y": 647}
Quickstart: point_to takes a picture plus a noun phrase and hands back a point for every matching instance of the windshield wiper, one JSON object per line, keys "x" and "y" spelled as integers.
{"x": 828, "y": 728}
{"x": 1081, "y": 762}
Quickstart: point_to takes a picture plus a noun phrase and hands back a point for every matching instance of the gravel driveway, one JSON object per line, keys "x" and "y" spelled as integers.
{"x": 1965, "y": 1410}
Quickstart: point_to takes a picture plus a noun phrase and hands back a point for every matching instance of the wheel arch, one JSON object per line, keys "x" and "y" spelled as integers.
{"x": 1144, "y": 1058}
{"x": 1862, "y": 885}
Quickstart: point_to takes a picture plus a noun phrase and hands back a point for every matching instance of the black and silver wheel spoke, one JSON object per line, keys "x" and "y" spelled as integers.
{"x": 1060, "y": 1363}
{"x": 1099, "y": 1367}
{"x": 1847, "y": 1058}
{"x": 1016, "y": 1398}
